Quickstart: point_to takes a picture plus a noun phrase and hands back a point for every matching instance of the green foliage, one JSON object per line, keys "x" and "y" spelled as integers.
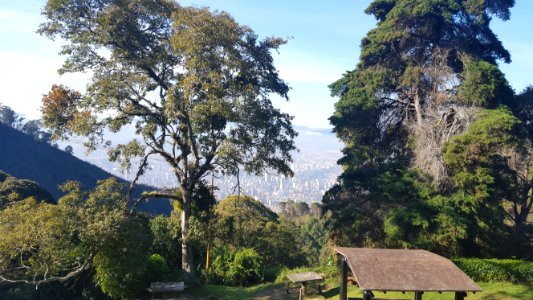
{"x": 482, "y": 170}
{"x": 246, "y": 208}
{"x": 167, "y": 238}
{"x": 312, "y": 235}
{"x": 120, "y": 262}
{"x": 195, "y": 84}
{"x": 477, "y": 158}
{"x": 484, "y": 85}
{"x": 240, "y": 221}
{"x": 13, "y": 189}
{"x": 40, "y": 238}
{"x": 291, "y": 209}
{"x": 497, "y": 270}
{"x": 522, "y": 107}
{"x": 242, "y": 267}
{"x": 86, "y": 231}
{"x": 418, "y": 217}
{"x": 243, "y": 222}
{"x": 157, "y": 269}
{"x": 433, "y": 157}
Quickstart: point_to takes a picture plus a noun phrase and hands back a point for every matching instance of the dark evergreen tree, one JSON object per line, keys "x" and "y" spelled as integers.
{"x": 426, "y": 130}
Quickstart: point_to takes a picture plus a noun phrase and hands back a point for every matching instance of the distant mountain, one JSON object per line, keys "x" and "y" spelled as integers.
{"x": 24, "y": 157}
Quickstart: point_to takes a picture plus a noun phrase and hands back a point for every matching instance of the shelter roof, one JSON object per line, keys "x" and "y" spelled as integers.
{"x": 405, "y": 270}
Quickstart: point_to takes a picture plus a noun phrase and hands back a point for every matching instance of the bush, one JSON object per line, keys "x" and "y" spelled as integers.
{"x": 166, "y": 232}
{"x": 241, "y": 268}
{"x": 157, "y": 269}
{"x": 497, "y": 270}
{"x": 247, "y": 267}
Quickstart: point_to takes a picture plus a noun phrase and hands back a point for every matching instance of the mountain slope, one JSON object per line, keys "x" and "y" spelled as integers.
{"x": 24, "y": 157}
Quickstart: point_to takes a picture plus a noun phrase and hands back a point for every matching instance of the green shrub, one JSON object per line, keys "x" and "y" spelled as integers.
{"x": 157, "y": 269}
{"x": 241, "y": 268}
{"x": 497, "y": 270}
{"x": 247, "y": 267}
{"x": 271, "y": 273}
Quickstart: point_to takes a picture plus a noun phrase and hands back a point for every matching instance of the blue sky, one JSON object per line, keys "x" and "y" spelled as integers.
{"x": 324, "y": 43}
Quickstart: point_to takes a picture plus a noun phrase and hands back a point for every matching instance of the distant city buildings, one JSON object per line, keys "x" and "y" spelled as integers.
{"x": 315, "y": 171}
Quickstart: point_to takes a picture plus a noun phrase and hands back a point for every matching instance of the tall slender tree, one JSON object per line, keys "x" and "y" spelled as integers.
{"x": 195, "y": 84}
{"x": 426, "y": 76}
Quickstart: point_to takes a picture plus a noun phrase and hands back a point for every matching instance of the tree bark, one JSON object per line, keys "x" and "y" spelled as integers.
{"x": 186, "y": 263}
{"x": 418, "y": 109}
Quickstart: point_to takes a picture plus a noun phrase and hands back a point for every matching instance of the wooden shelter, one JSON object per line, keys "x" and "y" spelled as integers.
{"x": 402, "y": 270}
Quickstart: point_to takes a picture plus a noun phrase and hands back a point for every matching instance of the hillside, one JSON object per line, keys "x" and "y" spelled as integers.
{"x": 24, "y": 157}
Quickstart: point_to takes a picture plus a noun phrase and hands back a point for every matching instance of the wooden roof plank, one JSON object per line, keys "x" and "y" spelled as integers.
{"x": 405, "y": 270}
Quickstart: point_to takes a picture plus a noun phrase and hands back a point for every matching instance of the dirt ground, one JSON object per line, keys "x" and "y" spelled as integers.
{"x": 276, "y": 293}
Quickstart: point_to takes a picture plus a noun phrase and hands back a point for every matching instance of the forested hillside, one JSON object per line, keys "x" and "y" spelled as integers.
{"x": 26, "y": 158}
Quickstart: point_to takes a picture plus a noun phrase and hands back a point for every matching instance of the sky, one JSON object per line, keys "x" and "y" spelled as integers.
{"x": 323, "y": 43}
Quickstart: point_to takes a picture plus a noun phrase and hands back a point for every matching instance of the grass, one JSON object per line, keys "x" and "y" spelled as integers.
{"x": 491, "y": 291}
{"x": 276, "y": 290}
{"x": 229, "y": 293}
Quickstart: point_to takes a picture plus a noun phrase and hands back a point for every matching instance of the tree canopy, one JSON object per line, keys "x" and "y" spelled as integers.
{"x": 433, "y": 145}
{"x": 194, "y": 83}
{"x": 87, "y": 231}
{"x": 13, "y": 189}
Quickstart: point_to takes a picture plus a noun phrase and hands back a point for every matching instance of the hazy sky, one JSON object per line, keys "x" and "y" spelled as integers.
{"x": 324, "y": 43}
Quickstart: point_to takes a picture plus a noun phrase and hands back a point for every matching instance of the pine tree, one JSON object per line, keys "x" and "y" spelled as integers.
{"x": 427, "y": 93}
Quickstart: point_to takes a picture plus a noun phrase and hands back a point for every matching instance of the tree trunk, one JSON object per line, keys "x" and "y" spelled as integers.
{"x": 186, "y": 263}
{"x": 418, "y": 109}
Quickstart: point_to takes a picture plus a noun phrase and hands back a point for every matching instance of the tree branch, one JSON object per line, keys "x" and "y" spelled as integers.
{"x": 36, "y": 282}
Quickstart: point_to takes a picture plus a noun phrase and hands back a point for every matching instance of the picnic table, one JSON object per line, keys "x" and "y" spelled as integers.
{"x": 303, "y": 279}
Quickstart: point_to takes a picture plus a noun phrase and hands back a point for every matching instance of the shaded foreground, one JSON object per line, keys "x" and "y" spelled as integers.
{"x": 491, "y": 291}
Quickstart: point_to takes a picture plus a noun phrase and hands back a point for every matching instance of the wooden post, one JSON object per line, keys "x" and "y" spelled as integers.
{"x": 460, "y": 295}
{"x": 343, "y": 289}
{"x": 418, "y": 295}
{"x": 367, "y": 295}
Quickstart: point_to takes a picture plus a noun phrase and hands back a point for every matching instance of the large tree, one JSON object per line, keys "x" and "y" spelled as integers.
{"x": 195, "y": 84}
{"x": 426, "y": 93}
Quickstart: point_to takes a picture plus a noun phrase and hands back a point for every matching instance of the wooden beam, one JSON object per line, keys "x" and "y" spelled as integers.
{"x": 418, "y": 295}
{"x": 343, "y": 289}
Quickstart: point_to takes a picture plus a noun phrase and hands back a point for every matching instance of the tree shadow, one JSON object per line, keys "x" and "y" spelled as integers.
{"x": 334, "y": 291}
{"x": 527, "y": 294}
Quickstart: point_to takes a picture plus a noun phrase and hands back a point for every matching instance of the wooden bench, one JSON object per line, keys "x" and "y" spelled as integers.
{"x": 166, "y": 288}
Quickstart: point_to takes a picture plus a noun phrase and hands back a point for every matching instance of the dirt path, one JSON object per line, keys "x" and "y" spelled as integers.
{"x": 279, "y": 294}
{"x": 274, "y": 293}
